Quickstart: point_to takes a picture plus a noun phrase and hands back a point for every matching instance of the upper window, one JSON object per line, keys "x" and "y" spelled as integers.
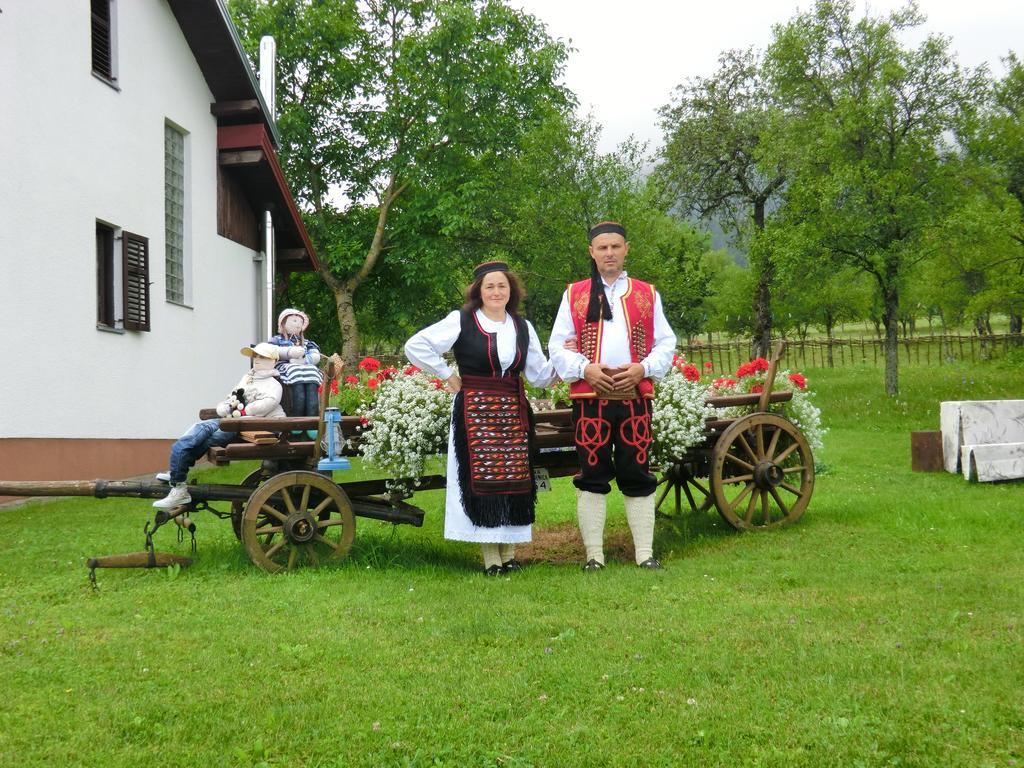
{"x": 175, "y": 211}
{"x": 104, "y": 40}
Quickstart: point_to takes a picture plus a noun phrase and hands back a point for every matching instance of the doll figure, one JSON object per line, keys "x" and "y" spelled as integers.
{"x": 258, "y": 394}
{"x": 298, "y": 365}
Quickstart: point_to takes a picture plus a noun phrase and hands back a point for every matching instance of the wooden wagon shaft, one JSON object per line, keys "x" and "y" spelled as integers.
{"x": 101, "y": 489}
{"x": 144, "y": 559}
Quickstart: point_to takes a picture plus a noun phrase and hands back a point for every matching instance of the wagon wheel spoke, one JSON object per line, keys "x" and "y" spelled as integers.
{"x": 304, "y": 503}
{"x": 739, "y": 497}
{"x": 765, "y": 508}
{"x": 293, "y": 556}
{"x": 787, "y": 470}
{"x": 791, "y": 489}
{"x": 274, "y": 549}
{"x": 750, "y": 509}
{"x": 746, "y": 446}
{"x": 759, "y": 434}
{"x": 773, "y": 444}
{"x": 273, "y": 512}
{"x": 664, "y": 493}
{"x": 737, "y": 479}
{"x": 326, "y": 541}
{"x": 288, "y": 503}
{"x": 737, "y": 460}
{"x": 271, "y": 529}
{"x": 313, "y": 556}
{"x": 699, "y": 487}
{"x": 332, "y": 522}
{"x": 786, "y": 453}
{"x": 780, "y": 502}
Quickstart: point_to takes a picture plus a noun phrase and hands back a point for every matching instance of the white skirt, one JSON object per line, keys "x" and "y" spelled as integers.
{"x": 458, "y": 526}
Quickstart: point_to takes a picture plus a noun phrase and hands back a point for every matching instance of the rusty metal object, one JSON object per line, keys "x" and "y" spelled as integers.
{"x": 926, "y": 451}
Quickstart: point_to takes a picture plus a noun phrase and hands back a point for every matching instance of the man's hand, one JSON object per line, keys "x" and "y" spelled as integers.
{"x": 453, "y": 384}
{"x": 571, "y": 344}
{"x": 627, "y": 376}
{"x": 598, "y": 379}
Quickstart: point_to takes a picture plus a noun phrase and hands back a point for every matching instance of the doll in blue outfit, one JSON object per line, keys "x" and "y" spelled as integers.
{"x": 298, "y": 364}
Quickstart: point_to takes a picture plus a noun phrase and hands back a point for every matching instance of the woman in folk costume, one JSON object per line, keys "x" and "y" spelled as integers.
{"x": 298, "y": 367}
{"x": 490, "y": 496}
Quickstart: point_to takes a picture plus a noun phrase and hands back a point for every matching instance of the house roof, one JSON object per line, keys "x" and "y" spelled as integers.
{"x": 239, "y": 104}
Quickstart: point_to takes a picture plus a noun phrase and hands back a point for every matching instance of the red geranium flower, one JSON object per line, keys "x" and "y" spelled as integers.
{"x": 438, "y": 384}
{"x": 363, "y": 420}
{"x": 352, "y": 380}
{"x": 707, "y": 364}
{"x": 723, "y": 383}
{"x": 369, "y": 364}
{"x": 799, "y": 379}
{"x": 691, "y": 373}
{"x": 334, "y": 386}
{"x": 410, "y": 369}
{"x": 389, "y": 373}
{"x": 747, "y": 369}
{"x": 372, "y": 383}
{"x": 760, "y": 364}
{"x": 757, "y": 389}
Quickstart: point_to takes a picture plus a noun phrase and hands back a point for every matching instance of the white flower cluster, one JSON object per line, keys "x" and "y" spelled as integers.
{"x": 677, "y": 423}
{"x": 407, "y": 425}
{"x": 806, "y": 415}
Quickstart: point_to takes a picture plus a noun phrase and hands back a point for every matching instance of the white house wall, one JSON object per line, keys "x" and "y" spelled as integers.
{"x": 73, "y": 150}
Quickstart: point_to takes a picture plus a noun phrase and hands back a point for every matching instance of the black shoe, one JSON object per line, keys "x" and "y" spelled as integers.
{"x": 494, "y": 570}
{"x": 593, "y": 565}
{"x": 650, "y": 564}
{"x": 511, "y": 566}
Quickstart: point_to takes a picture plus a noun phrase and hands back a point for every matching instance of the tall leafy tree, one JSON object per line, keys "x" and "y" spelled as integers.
{"x": 386, "y": 105}
{"x": 873, "y": 169}
{"x": 715, "y": 164}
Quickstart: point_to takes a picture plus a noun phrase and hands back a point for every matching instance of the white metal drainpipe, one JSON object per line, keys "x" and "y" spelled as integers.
{"x": 268, "y": 56}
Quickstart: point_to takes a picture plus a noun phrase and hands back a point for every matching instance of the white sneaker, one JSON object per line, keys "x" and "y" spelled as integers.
{"x": 178, "y": 496}
{"x": 163, "y": 477}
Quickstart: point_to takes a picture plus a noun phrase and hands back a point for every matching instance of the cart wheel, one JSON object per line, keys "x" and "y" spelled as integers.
{"x": 680, "y": 477}
{"x": 762, "y": 473}
{"x": 238, "y": 507}
{"x": 297, "y": 518}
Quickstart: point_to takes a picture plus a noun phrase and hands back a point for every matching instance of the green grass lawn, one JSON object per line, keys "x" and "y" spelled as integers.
{"x": 884, "y": 629}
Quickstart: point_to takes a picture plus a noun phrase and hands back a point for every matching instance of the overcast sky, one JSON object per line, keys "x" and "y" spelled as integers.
{"x": 630, "y": 54}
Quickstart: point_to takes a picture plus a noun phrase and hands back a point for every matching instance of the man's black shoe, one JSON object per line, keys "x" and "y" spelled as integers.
{"x": 651, "y": 564}
{"x": 494, "y": 570}
{"x": 593, "y": 565}
{"x": 511, "y": 566}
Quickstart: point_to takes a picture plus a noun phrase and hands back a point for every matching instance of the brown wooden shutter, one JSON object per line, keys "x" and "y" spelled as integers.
{"x": 135, "y": 262}
{"x": 101, "y": 42}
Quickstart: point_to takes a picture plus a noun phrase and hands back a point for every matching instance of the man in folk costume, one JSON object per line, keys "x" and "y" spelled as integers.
{"x": 624, "y": 342}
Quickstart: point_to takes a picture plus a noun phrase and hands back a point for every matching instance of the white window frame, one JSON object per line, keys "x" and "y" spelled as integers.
{"x": 112, "y": 81}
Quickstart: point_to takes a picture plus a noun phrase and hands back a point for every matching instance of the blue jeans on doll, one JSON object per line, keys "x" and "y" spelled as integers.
{"x": 305, "y": 401}
{"x": 190, "y": 447}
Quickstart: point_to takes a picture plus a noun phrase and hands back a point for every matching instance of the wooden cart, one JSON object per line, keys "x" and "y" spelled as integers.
{"x": 759, "y": 470}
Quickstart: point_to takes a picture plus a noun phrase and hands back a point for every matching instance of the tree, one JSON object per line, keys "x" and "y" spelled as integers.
{"x": 873, "y": 170}
{"x": 998, "y": 142}
{"x": 385, "y": 106}
{"x": 714, "y": 162}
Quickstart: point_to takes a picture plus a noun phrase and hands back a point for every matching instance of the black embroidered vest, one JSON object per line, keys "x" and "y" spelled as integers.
{"x": 476, "y": 351}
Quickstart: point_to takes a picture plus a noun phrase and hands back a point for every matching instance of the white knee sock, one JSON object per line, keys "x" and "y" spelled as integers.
{"x": 640, "y": 516}
{"x": 507, "y": 552}
{"x": 590, "y": 509}
{"x": 491, "y": 555}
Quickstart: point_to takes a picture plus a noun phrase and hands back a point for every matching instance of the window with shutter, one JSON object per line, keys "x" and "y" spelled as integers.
{"x": 135, "y": 263}
{"x": 105, "y": 276}
{"x": 103, "y": 39}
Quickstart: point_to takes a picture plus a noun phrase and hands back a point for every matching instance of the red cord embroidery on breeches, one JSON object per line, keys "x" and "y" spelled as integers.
{"x": 635, "y": 431}
{"x": 593, "y": 433}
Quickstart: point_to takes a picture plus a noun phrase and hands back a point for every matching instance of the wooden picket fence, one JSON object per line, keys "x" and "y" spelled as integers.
{"x": 944, "y": 349}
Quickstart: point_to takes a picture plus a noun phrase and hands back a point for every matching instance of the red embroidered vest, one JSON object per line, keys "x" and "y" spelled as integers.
{"x": 638, "y": 308}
